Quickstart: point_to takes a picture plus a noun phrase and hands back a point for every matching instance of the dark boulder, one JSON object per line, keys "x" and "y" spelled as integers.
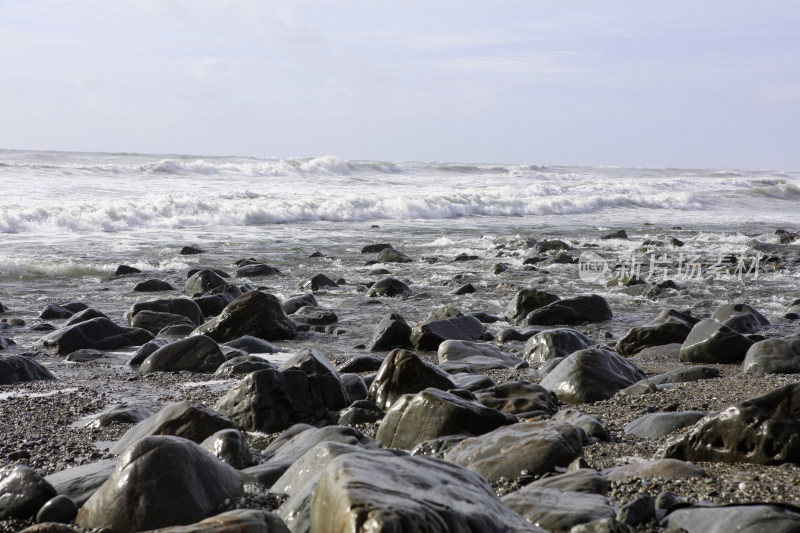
{"x": 97, "y": 333}
{"x": 125, "y": 270}
{"x": 191, "y": 250}
{"x": 670, "y": 326}
{"x": 121, "y": 413}
{"x": 392, "y": 332}
{"x": 314, "y": 316}
{"x": 244, "y": 364}
{"x": 589, "y": 424}
{"x": 22, "y": 492}
{"x": 390, "y": 255}
{"x": 213, "y": 304}
{"x": 83, "y": 316}
{"x": 153, "y": 285}
{"x": 362, "y": 363}
{"x": 519, "y": 398}
{"x": 255, "y": 313}
{"x": 403, "y": 372}
{"x": 55, "y": 311}
{"x": 552, "y": 343}
{"x": 256, "y": 270}
{"x": 176, "y": 306}
{"x": 429, "y": 335}
{"x": 203, "y": 281}
{"x": 741, "y": 318}
{"x": 773, "y": 356}
{"x": 290, "y": 305}
{"x": 319, "y": 282}
{"x": 619, "y": 234}
{"x": 572, "y": 311}
{"x": 195, "y": 354}
{"x": 527, "y": 300}
{"x": 154, "y": 321}
{"x": 374, "y": 248}
{"x": 252, "y": 345}
{"x": 145, "y": 350}
{"x": 61, "y": 509}
{"x": 229, "y": 446}
{"x": 713, "y": 342}
{"x": 389, "y": 287}
{"x": 19, "y": 368}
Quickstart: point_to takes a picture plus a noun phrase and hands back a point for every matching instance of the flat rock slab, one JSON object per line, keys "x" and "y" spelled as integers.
{"x": 667, "y": 353}
{"x": 558, "y": 510}
{"x": 298, "y": 439}
{"x": 80, "y": 482}
{"x": 475, "y": 352}
{"x": 663, "y": 468}
{"x": 537, "y": 447}
{"x": 739, "y": 518}
{"x": 657, "y": 425}
{"x": 239, "y": 520}
{"x": 685, "y": 375}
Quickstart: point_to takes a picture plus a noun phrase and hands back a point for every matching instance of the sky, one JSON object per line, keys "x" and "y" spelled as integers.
{"x": 689, "y": 84}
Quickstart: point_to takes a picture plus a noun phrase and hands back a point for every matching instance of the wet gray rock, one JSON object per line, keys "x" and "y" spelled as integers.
{"x": 375, "y": 248}
{"x": 713, "y": 342}
{"x": 5, "y": 342}
{"x": 537, "y": 447}
{"x": 174, "y": 479}
{"x": 212, "y": 304}
{"x": 290, "y": 305}
{"x": 519, "y": 398}
{"x": 19, "y": 368}
{"x": 403, "y": 372}
{"x": 429, "y": 335}
{"x": 434, "y": 413}
{"x": 238, "y": 520}
{"x": 685, "y": 375}
{"x": 589, "y": 424}
{"x": 638, "y": 511}
{"x": 362, "y": 363}
{"x": 176, "y": 306}
{"x": 527, "y": 300}
{"x": 153, "y": 285}
{"x": 191, "y": 250}
{"x": 189, "y": 420}
{"x": 355, "y": 386}
{"x": 591, "y": 375}
{"x": 318, "y": 282}
{"x": 663, "y": 468}
{"x": 86, "y": 355}
{"x": 586, "y": 480}
{"x": 360, "y": 412}
{"x": 760, "y": 430}
{"x": 392, "y": 332}
{"x": 390, "y": 255}
{"x": 323, "y": 378}
{"x": 253, "y": 345}
{"x": 146, "y": 349}
{"x": 256, "y": 270}
{"x": 478, "y": 355}
{"x": 126, "y": 270}
{"x": 773, "y": 356}
{"x": 55, "y": 311}
{"x": 244, "y": 364}
{"x": 203, "y": 281}
{"x": 604, "y": 525}
{"x": 619, "y": 234}
{"x": 60, "y": 508}
{"x": 739, "y": 518}
{"x": 86, "y": 314}
{"x": 572, "y": 311}
{"x": 314, "y": 316}
{"x": 195, "y": 354}
{"x": 657, "y": 425}
{"x": 229, "y": 446}
{"x": 121, "y": 413}
{"x": 22, "y": 492}
{"x": 293, "y": 443}
{"x": 154, "y": 321}
{"x": 472, "y": 382}
{"x": 670, "y": 326}
{"x": 552, "y": 343}
{"x": 558, "y": 510}
{"x": 255, "y": 313}
{"x": 389, "y": 287}
{"x": 740, "y": 317}
{"x": 97, "y": 333}
{"x": 80, "y": 482}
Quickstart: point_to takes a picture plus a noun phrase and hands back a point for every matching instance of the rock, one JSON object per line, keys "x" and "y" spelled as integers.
{"x": 60, "y": 508}
{"x": 374, "y": 248}
{"x": 604, "y": 525}
{"x": 428, "y": 336}
{"x": 290, "y": 305}
{"x": 314, "y": 316}
{"x": 97, "y": 333}
{"x": 760, "y": 430}
{"x": 55, "y": 312}
{"x": 121, "y": 413}
{"x": 644, "y": 386}
{"x": 322, "y": 377}
{"x": 552, "y": 245}
{"x": 125, "y": 270}
{"x": 145, "y": 350}
{"x": 5, "y": 342}
{"x": 557, "y": 510}
{"x": 389, "y": 287}
{"x": 255, "y": 313}
{"x": 390, "y": 255}
{"x": 685, "y": 375}
{"x": 174, "y": 479}
{"x": 434, "y": 413}
{"x": 511, "y": 334}
{"x": 467, "y": 288}
{"x": 657, "y": 425}
{"x": 191, "y": 250}
{"x": 741, "y": 318}
{"x": 242, "y": 365}
{"x": 552, "y": 343}
{"x": 203, "y": 281}
{"x": 177, "y": 306}
{"x": 442, "y": 313}
{"x": 213, "y": 304}
{"x": 520, "y": 398}
{"x": 86, "y": 355}
{"x": 238, "y": 520}
{"x": 189, "y": 420}
{"x": 478, "y": 355}
{"x": 586, "y": 480}
{"x": 252, "y": 345}
{"x": 83, "y": 316}
{"x": 591, "y": 375}
{"x": 667, "y": 353}
{"x": 773, "y": 356}
{"x": 620, "y": 234}
{"x": 355, "y": 386}
{"x": 537, "y": 447}
{"x": 80, "y": 482}
{"x": 638, "y": 511}
{"x": 293, "y": 443}
{"x": 670, "y": 326}
{"x": 195, "y": 354}
{"x": 360, "y": 412}
{"x": 526, "y": 301}
{"x": 256, "y": 270}
{"x": 154, "y": 321}
{"x": 229, "y": 446}
{"x": 403, "y": 372}
{"x": 664, "y": 468}
{"x": 392, "y": 332}
{"x": 153, "y": 285}
{"x": 572, "y": 311}
{"x": 22, "y": 492}
{"x": 484, "y": 317}
{"x": 362, "y": 363}
{"x": 739, "y": 518}
{"x": 407, "y": 494}
{"x": 19, "y": 368}
{"x": 589, "y": 424}
{"x": 472, "y": 382}
{"x": 713, "y": 342}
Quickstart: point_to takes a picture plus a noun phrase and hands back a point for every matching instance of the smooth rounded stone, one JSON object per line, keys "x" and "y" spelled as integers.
{"x": 537, "y": 447}
{"x": 591, "y": 375}
{"x": 22, "y": 492}
{"x": 196, "y": 354}
{"x": 390, "y": 255}
{"x": 552, "y": 343}
{"x": 153, "y": 285}
{"x": 392, "y": 332}
{"x": 145, "y": 350}
{"x": 154, "y": 321}
{"x": 760, "y": 430}
{"x": 587, "y": 480}
{"x": 484, "y": 317}
{"x": 173, "y": 479}
{"x": 55, "y": 311}
{"x": 663, "y": 468}
{"x": 638, "y": 511}
{"x": 619, "y": 234}
{"x": 467, "y": 352}
{"x": 350, "y": 416}
{"x": 80, "y": 482}
{"x": 362, "y": 363}
{"x": 712, "y": 342}
{"x": 413, "y": 494}
{"x": 242, "y": 365}
{"x": 121, "y": 413}
{"x": 429, "y": 335}
{"x": 126, "y": 270}
{"x": 191, "y": 249}
{"x": 97, "y": 333}
{"x": 403, "y": 372}
{"x": 739, "y": 518}
{"x": 442, "y": 313}
{"x": 318, "y": 282}
{"x": 558, "y": 510}
{"x": 290, "y": 305}
{"x": 322, "y": 375}
{"x": 740, "y": 317}
{"x": 527, "y": 300}
{"x": 657, "y": 425}
{"x": 434, "y": 413}
{"x": 548, "y": 366}
{"x": 229, "y": 446}
{"x": 773, "y": 356}
{"x": 572, "y": 311}
{"x": 256, "y": 270}
{"x": 177, "y": 330}
{"x": 685, "y": 375}
{"x": 252, "y": 345}
{"x": 238, "y": 520}
{"x": 604, "y": 525}
{"x": 189, "y": 420}
{"x": 314, "y": 316}
{"x": 472, "y": 382}
{"x": 670, "y": 326}
{"x": 203, "y": 281}
{"x": 355, "y": 386}
{"x": 83, "y": 316}
{"x": 86, "y": 355}
{"x": 389, "y": 287}
{"x": 176, "y": 306}
{"x": 520, "y": 398}
{"x": 293, "y": 443}
{"x": 467, "y": 288}
{"x": 589, "y": 424}
{"x": 644, "y": 386}
{"x": 192, "y": 271}
{"x": 19, "y": 368}
{"x": 213, "y": 304}
{"x": 5, "y": 342}
{"x": 61, "y": 509}
{"x": 255, "y": 313}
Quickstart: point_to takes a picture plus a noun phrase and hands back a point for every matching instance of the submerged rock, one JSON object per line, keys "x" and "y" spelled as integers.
{"x": 739, "y": 518}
